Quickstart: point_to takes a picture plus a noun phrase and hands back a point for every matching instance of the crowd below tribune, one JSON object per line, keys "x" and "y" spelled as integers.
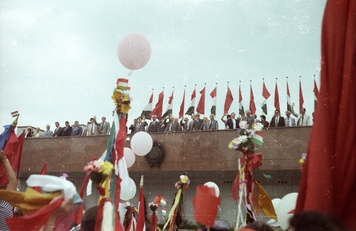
{"x": 168, "y": 123}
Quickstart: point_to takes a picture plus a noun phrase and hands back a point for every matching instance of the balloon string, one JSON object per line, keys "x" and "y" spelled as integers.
{"x": 130, "y": 73}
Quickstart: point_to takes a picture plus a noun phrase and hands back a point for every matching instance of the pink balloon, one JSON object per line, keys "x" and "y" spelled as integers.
{"x": 134, "y": 51}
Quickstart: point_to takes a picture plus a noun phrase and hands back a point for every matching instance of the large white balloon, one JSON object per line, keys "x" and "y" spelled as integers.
{"x": 141, "y": 143}
{"x": 214, "y": 186}
{"x": 286, "y": 205}
{"x": 128, "y": 189}
{"x": 129, "y": 157}
{"x": 275, "y": 203}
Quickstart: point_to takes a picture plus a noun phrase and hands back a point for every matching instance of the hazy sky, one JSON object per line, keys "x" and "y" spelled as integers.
{"x": 59, "y": 58}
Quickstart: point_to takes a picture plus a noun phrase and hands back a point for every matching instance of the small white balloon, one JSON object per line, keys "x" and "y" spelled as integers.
{"x": 214, "y": 186}
{"x": 128, "y": 189}
{"x": 141, "y": 143}
{"x": 129, "y": 157}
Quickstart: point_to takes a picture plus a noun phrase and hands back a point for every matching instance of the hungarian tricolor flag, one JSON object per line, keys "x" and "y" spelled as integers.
{"x": 169, "y": 107}
{"x": 289, "y": 105}
{"x": 328, "y": 182}
{"x": 159, "y": 105}
{"x": 15, "y": 113}
{"x": 201, "y": 104}
{"x": 276, "y": 98}
{"x": 265, "y": 95}
{"x": 148, "y": 109}
{"x": 213, "y": 107}
{"x": 241, "y": 107}
{"x": 191, "y": 108}
{"x": 181, "y": 109}
{"x": 301, "y": 98}
{"x": 252, "y": 102}
{"x": 228, "y": 100}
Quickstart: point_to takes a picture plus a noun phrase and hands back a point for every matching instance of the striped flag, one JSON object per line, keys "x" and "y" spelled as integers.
{"x": 169, "y": 107}
{"x": 265, "y": 95}
{"x": 241, "y": 107}
{"x": 289, "y": 105}
{"x": 316, "y": 93}
{"x": 228, "y": 100}
{"x": 252, "y": 101}
{"x": 15, "y": 113}
{"x": 201, "y": 104}
{"x": 158, "y": 109}
{"x": 181, "y": 109}
{"x": 301, "y": 99}
{"x": 148, "y": 109}
{"x": 191, "y": 108}
{"x": 257, "y": 138}
{"x": 213, "y": 96}
{"x": 276, "y": 98}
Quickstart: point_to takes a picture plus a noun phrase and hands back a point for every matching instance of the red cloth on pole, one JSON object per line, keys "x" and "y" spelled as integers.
{"x": 265, "y": 92}
{"x": 276, "y": 98}
{"x": 228, "y": 100}
{"x": 252, "y": 102}
{"x": 328, "y": 182}
{"x": 141, "y": 213}
{"x": 201, "y": 104}
{"x": 301, "y": 98}
{"x": 181, "y": 109}
{"x": 159, "y": 106}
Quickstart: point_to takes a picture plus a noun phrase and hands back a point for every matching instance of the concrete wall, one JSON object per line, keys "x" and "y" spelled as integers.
{"x": 203, "y": 156}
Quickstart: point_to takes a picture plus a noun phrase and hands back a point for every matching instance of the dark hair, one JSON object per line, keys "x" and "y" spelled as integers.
{"x": 259, "y": 226}
{"x": 88, "y": 219}
{"x": 228, "y": 116}
{"x": 314, "y": 221}
{"x": 263, "y": 116}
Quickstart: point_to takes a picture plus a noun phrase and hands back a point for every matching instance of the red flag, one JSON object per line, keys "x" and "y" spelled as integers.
{"x": 181, "y": 109}
{"x": 158, "y": 109}
{"x": 252, "y": 102}
{"x": 13, "y": 150}
{"x": 141, "y": 212}
{"x": 289, "y": 105}
{"x": 228, "y": 100}
{"x": 265, "y": 92}
{"x": 42, "y": 172}
{"x": 213, "y": 93}
{"x": 201, "y": 104}
{"x": 241, "y": 107}
{"x": 301, "y": 99}
{"x": 328, "y": 182}
{"x": 276, "y": 98}
{"x": 316, "y": 93}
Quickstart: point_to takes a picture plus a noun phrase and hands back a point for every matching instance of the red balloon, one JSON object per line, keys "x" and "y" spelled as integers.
{"x": 134, "y": 51}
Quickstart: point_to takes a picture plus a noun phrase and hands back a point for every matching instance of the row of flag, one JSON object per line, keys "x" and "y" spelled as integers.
{"x": 200, "y": 108}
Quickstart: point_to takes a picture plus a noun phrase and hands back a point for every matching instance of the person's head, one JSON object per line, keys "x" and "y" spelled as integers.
{"x": 248, "y": 112}
{"x": 205, "y": 118}
{"x": 154, "y": 117}
{"x": 186, "y": 119}
{"x": 263, "y": 118}
{"x": 38, "y": 129}
{"x": 303, "y": 110}
{"x": 228, "y": 116}
{"x": 176, "y": 119}
{"x": 67, "y": 124}
{"x": 288, "y": 114}
{"x": 314, "y": 221}
{"x": 197, "y": 116}
{"x": 139, "y": 119}
{"x": 160, "y": 119}
{"x": 193, "y": 117}
{"x": 29, "y": 128}
{"x": 92, "y": 120}
{"x": 233, "y": 114}
{"x": 76, "y": 123}
{"x": 171, "y": 119}
{"x": 103, "y": 118}
{"x": 88, "y": 219}
{"x": 135, "y": 121}
{"x": 212, "y": 116}
{"x": 257, "y": 226}
{"x": 57, "y": 124}
{"x": 276, "y": 113}
{"x": 48, "y": 126}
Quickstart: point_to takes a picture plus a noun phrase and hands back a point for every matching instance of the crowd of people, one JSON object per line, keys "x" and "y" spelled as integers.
{"x": 93, "y": 128}
{"x": 168, "y": 123}
{"x": 231, "y": 121}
